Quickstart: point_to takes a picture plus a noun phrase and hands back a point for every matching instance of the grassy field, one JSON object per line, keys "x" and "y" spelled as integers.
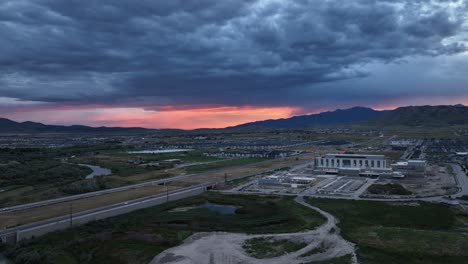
{"x": 137, "y": 237}
{"x": 28, "y": 175}
{"x": 124, "y": 164}
{"x": 388, "y": 189}
{"x": 393, "y": 233}
{"x": 221, "y": 164}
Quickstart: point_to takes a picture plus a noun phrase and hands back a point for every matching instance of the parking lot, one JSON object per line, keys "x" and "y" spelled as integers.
{"x": 340, "y": 185}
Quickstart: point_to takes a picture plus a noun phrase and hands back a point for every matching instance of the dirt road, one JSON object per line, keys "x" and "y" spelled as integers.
{"x": 222, "y": 247}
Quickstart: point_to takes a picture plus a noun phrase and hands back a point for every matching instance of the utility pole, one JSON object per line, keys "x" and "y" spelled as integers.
{"x": 71, "y": 214}
{"x": 167, "y": 193}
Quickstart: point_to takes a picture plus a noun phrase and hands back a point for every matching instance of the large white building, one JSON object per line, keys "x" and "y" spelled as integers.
{"x": 338, "y": 161}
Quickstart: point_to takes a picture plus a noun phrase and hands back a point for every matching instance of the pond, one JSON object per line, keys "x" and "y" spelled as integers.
{"x": 97, "y": 171}
{"x": 158, "y": 151}
{"x": 214, "y": 207}
{"x": 3, "y": 260}
{"x": 220, "y": 208}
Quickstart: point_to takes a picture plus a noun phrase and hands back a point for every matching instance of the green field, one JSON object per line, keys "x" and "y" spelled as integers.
{"x": 28, "y": 175}
{"x": 139, "y": 236}
{"x": 124, "y": 164}
{"x": 394, "y": 233}
{"x": 221, "y": 164}
{"x": 388, "y": 189}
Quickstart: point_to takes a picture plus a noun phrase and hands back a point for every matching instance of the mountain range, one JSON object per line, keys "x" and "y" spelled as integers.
{"x": 9, "y": 126}
{"x": 444, "y": 115}
{"x": 351, "y": 115}
{"x": 404, "y": 116}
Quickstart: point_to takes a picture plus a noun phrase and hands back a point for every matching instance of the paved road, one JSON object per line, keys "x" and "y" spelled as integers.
{"x": 129, "y": 187}
{"x": 90, "y": 194}
{"x": 462, "y": 180}
{"x": 92, "y": 212}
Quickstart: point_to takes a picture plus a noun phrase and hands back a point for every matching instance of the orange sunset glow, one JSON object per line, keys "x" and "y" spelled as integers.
{"x": 213, "y": 117}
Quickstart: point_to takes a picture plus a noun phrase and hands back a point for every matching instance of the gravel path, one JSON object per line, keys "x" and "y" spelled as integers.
{"x": 226, "y": 248}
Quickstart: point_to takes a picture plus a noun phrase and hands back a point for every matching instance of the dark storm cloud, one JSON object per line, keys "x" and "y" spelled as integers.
{"x": 156, "y": 53}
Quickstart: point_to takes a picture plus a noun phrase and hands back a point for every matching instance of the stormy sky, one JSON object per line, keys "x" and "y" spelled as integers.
{"x": 213, "y": 63}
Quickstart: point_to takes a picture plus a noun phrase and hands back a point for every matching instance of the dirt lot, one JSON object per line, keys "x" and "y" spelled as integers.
{"x": 437, "y": 181}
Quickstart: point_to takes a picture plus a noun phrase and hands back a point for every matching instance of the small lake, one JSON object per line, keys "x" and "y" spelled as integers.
{"x": 158, "y": 151}
{"x": 220, "y": 208}
{"x": 97, "y": 171}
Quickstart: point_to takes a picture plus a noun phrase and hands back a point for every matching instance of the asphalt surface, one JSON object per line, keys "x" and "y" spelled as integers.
{"x": 90, "y": 194}
{"x": 77, "y": 216}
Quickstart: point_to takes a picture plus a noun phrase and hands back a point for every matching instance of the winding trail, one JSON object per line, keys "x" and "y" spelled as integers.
{"x": 226, "y": 248}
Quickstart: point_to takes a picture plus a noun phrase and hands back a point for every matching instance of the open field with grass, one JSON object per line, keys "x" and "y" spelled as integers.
{"x": 388, "y": 189}
{"x": 392, "y": 233}
{"x": 124, "y": 164}
{"x": 340, "y": 260}
{"x": 137, "y": 237}
{"x": 221, "y": 164}
{"x": 28, "y": 175}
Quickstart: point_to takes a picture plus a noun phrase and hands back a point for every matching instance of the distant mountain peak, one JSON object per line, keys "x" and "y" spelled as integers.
{"x": 426, "y": 115}
{"x": 29, "y": 127}
{"x": 350, "y": 115}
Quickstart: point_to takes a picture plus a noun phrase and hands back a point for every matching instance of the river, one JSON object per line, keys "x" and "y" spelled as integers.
{"x": 97, "y": 171}
{"x": 158, "y": 151}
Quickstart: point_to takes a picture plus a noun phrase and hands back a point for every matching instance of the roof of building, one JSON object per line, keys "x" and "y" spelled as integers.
{"x": 354, "y": 156}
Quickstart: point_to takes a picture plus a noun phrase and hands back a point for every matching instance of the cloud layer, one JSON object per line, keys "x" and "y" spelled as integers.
{"x": 197, "y": 53}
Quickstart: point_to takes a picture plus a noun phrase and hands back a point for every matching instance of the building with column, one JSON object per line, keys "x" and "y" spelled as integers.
{"x": 354, "y": 164}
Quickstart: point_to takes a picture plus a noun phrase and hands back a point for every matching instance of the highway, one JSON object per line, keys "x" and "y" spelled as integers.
{"x": 134, "y": 186}
{"x": 461, "y": 179}
{"x": 97, "y": 211}
{"x": 90, "y": 194}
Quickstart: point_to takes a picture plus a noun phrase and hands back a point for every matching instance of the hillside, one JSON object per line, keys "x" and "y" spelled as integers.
{"x": 351, "y": 115}
{"x": 9, "y": 126}
{"x": 444, "y": 115}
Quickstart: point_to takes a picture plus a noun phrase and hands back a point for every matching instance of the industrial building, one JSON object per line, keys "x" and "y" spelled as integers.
{"x": 289, "y": 181}
{"x": 410, "y": 167}
{"x": 334, "y": 162}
